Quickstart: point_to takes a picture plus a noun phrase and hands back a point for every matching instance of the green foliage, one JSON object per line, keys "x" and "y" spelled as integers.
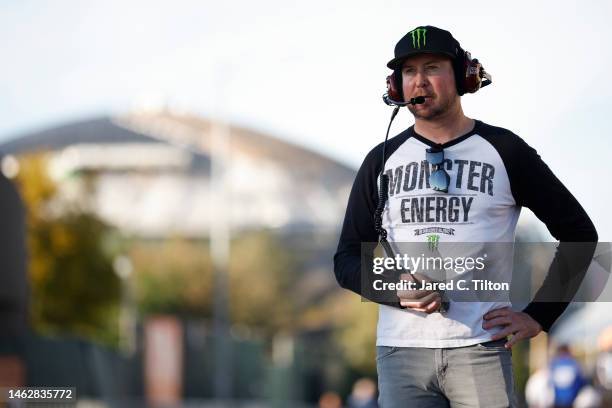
{"x": 356, "y": 337}
{"x": 352, "y": 325}
{"x": 172, "y": 276}
{"x": 176, "y": 276}
{"x": 74, "y": 289}
{"x": 262, "y": 276}
{"x": 520, "y": 366}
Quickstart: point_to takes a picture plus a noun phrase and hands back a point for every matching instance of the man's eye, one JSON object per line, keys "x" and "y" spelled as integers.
{"x": 432, "y": 67}
{"x": 408, "y": 70}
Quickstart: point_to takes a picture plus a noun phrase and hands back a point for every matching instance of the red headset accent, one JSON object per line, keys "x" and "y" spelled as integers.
{"x": 475, "y": 75}
{"x": 394, "y": 94}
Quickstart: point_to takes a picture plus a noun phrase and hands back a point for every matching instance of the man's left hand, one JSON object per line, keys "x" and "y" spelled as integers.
{"x": 519, "y": 325}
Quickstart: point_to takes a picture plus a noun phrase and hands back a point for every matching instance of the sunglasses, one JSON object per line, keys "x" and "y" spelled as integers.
{"x": 439, "y": 178}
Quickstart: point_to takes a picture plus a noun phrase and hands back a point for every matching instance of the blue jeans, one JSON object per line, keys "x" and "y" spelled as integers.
{"x": 473, "y": 376}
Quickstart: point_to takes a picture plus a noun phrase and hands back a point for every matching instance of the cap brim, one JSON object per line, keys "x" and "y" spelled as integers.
{"x": 396, "y": 63}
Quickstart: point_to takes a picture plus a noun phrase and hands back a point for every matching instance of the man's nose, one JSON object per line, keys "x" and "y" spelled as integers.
{"x": 421, "y": 79}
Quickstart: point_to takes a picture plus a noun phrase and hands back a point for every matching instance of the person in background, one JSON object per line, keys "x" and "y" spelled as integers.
{"x": 538, "y": 390}
{"x": 566, "y": 377}
{"x": 363, "y": 395}
{"x": 330, "y": 399}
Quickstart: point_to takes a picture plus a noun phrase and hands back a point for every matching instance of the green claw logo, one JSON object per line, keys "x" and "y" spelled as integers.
{"x": 432, "y": 241}
{"x": 416, "y": 37}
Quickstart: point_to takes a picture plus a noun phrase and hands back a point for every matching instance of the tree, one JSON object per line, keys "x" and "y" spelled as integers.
{"x": 74, "y": 287}
{"x": 175, "y": 276}
{"x": 172, "y": 276}
{"x": 262, "y": 275}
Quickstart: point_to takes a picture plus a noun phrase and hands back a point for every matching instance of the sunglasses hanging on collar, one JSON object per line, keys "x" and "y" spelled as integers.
{"x": 439, "y": 178}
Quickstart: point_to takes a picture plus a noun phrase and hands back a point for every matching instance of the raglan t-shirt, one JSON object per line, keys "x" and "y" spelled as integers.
{"x": 493, "y": 173}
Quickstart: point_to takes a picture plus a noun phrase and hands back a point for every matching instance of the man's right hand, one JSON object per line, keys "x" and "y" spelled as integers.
{"x": 427, "y": 301}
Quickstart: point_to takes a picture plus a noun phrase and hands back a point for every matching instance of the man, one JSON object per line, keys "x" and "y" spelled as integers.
{"x": 466, "y": 181}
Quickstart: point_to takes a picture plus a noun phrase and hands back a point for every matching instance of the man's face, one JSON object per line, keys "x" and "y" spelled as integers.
{"x": 431, "y": 76}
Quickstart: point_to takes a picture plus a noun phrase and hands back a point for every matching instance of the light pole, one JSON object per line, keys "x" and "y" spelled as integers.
{"x": 127, "y": 319}
{"x": 220, "y": 238}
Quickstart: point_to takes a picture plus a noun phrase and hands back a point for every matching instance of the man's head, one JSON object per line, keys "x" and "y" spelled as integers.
{"x": 429, "y": 61}
{"x": 563, "y": 349}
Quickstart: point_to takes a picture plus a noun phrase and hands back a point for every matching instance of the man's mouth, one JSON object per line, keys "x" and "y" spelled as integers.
{"x": 426, "y": 98}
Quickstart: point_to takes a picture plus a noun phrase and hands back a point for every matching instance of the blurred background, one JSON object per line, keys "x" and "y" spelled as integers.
{"x": 174, "y": 176}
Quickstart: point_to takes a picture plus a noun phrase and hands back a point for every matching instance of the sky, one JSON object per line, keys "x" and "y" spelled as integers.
{"x": 313, "y": 73}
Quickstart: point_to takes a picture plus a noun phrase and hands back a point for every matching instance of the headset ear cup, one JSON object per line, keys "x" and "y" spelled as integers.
{"x": 473, "y": 80}
{"x": 460, "y": 67}
{"x": 397, "y": 76}
{"x": 394, "y": 86}
{"x": 467, "y": 73}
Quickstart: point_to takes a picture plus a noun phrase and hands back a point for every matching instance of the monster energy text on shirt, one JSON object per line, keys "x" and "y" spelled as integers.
{"x": 492, "y": 173}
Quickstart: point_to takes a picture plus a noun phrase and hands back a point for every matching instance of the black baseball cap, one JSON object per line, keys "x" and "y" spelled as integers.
{"x": 424, "y": 39}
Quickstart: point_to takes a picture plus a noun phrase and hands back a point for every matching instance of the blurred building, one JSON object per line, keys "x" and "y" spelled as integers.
{"x": 148, "y": 173}
{"x": 153, "y": 175}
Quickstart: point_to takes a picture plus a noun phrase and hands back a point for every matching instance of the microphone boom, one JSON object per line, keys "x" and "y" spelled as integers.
{"x": 413, "y": 101}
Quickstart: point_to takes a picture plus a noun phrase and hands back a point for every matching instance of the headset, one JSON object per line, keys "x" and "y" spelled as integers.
{"x": 470, "y": 76}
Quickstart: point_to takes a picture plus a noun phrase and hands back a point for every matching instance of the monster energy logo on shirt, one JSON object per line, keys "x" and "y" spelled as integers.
{"x": 432, "y": 241}
{"x": 416, "y": 37}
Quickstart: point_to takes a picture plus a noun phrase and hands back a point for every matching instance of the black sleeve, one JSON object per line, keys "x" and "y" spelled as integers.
{"x": 358, "y": 228}
{"x": 535, "y": 186}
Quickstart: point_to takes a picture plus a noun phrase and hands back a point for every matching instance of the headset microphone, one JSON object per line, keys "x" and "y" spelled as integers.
{"x": 413, "y": 101}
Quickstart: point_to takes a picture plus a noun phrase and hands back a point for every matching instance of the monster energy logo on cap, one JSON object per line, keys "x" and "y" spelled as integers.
{"x": 432, "y": 241}
{"x": 423, "y": 39}
{"x": 416, "y": 37}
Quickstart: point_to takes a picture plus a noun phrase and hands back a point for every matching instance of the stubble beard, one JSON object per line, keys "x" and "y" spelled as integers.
{"x": 435, "y": 113}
